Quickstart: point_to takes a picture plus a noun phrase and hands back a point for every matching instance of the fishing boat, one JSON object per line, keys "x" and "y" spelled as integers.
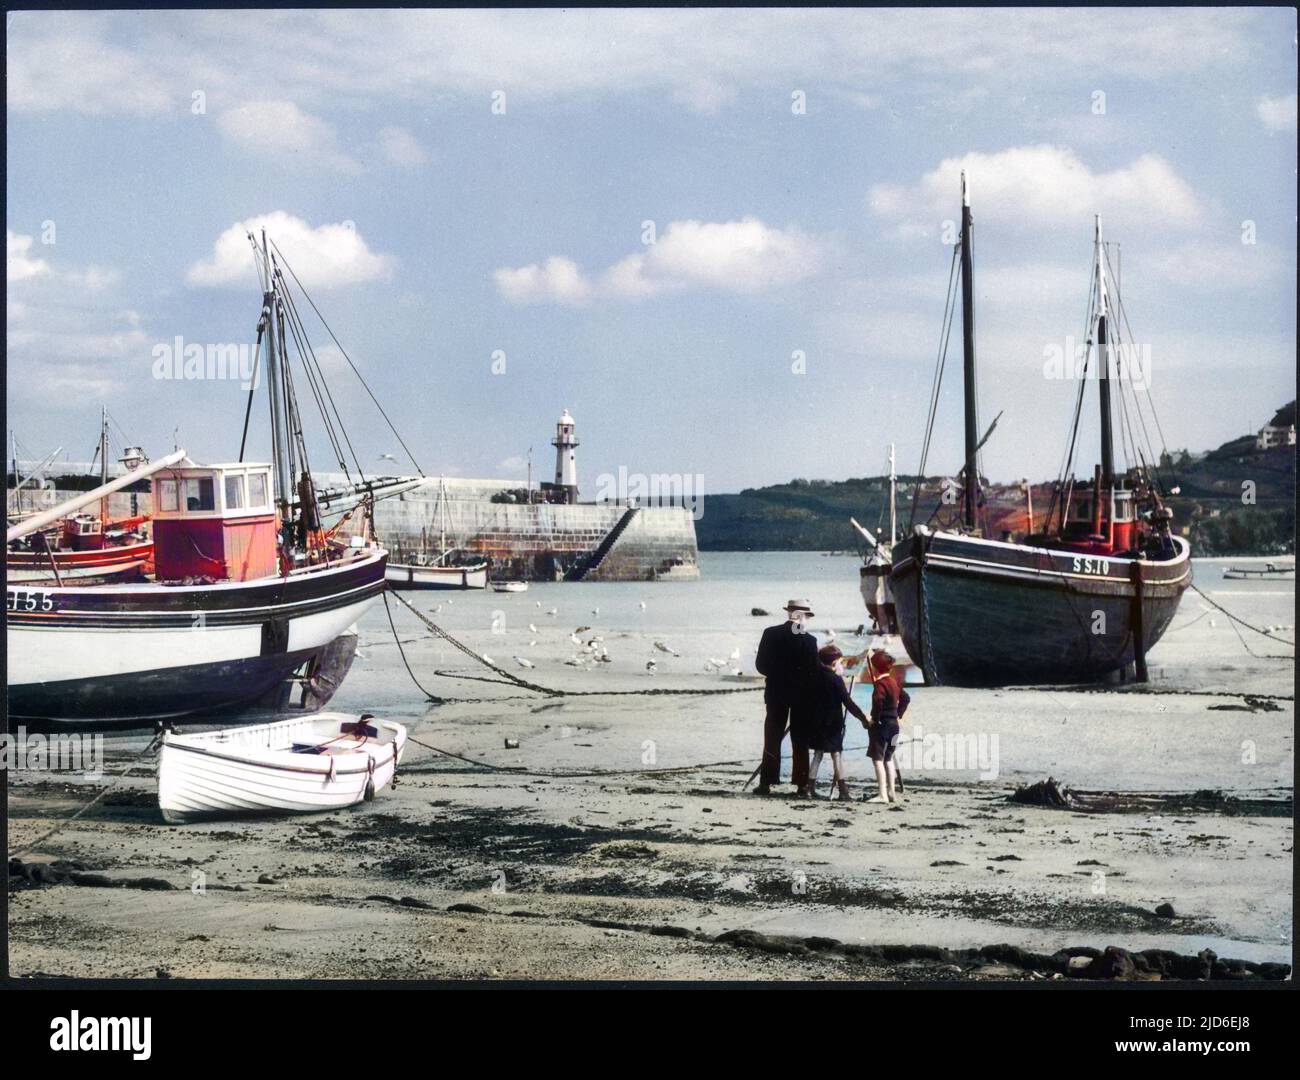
{"x": 82, "y": 547}
{"x": 1081, "y": 599}
{"x": 444, "y": 569}
{"x": 302, "y": 765}
{"x": 873, "y": 575}
{"x": 1270, "y": 571}
{"x": 509, "y": 586}
{"x": 250, "y": 598}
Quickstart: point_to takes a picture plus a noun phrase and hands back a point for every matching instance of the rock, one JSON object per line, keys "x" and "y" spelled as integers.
{"x": 758, "y": 611}
{"x": 1078, "y": 965}
{"x": 1044, "y": 793}
{"x": 1115, "y": 963}
{"x": 1165, "y": 911}
{"x": 267, "y": 879}
{"x": 411, "y": 901}
{"x": 468, "y": 909}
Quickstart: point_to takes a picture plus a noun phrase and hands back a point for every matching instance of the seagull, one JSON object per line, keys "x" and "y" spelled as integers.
{"x": 643, "y": 605}
{"x": 575, "y": 661}
{"x": 532, "y": 629}
{"x": 387, "y": 457}
{"x": 553, "y": 611}
{"x": 532, "y": 643}
{"x": 575, "y": 639}
{"x": 595, "y": 611}
{"x": 716, "y": 663}
{"x": 489, "y": 659}
{"x": 664, "y": 648}
{"x": 735, "y": 654}
{"x": 581, "y": 629}
{"x": 522, "y": 662}
{"x": 650, "y": 666}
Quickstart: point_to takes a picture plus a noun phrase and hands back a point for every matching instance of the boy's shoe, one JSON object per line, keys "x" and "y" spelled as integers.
{"x": 876, "y": 799}
{"x": 844, "y": 794}
{"x": 763, "y": 791}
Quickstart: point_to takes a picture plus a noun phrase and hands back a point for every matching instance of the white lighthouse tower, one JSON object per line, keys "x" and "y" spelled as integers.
{"x": 565, "y": 488}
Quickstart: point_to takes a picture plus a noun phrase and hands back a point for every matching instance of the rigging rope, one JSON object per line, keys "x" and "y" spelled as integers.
{"x": 339, "y": 344}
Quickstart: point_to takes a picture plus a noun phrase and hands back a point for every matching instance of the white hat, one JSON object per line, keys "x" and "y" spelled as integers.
{"x": 799, "y": 605}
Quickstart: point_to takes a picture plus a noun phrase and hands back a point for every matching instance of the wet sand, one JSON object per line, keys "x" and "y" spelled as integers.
{"x": 588, "y": 860}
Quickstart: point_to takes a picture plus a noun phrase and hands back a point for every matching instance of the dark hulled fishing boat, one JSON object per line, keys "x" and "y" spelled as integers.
{"x": 251, "y": 596}
{"x": 1077, "y": 600}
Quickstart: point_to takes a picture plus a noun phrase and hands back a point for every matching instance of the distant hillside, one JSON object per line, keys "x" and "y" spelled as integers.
{"x": 813, "y": 515}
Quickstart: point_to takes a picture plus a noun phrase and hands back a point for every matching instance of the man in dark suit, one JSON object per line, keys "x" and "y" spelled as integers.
{"x": 787, "y": 655}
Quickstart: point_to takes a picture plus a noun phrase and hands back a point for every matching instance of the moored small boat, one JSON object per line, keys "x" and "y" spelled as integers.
{"x": 415, "y": 576}
{"x": 509, "y": 586}
{"x": 1269, "y": 570}
{"x": 299, "y": 766}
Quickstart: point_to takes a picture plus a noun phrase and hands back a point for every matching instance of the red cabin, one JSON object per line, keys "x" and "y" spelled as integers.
{"x": 214, "y": 521}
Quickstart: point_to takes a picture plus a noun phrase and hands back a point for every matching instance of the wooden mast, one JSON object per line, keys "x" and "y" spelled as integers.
{"x": 1103, "y": 370}
{"x": 968, "y": 362}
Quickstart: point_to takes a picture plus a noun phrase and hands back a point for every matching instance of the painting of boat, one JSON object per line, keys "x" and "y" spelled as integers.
{"x": 1080, "y": 598}
{"x": 302, "y": 765}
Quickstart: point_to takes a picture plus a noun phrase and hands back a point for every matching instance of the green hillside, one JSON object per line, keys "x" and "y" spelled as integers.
{"x": 1210, "y": 508}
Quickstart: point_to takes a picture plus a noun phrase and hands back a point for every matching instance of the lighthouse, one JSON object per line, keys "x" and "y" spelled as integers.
{"x": 565, "y": 488}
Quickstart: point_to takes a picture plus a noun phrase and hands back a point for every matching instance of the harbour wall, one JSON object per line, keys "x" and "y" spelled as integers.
{"x": 540, "y": 541}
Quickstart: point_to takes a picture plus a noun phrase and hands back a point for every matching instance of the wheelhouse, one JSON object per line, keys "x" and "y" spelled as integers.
{"x": 215, "y": 522}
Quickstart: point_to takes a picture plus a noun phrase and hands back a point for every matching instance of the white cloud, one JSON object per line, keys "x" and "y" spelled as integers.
{"x": 324, "y": 256}
{"x": 401, "y": 147}
{"x": 558, "y": 280}
{"x": 278, "y": 128}
{"x": 514, "y": 464}
{"x": 19, "y": 265}
{"x": 743, "y": 256}
{"x": 699, "y": 58}
{"x": 1039, "y": 185}
{"x": 1278, "y": 114}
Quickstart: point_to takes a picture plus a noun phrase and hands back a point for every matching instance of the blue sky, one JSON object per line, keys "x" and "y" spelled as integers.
{"x": 435, "y": 230}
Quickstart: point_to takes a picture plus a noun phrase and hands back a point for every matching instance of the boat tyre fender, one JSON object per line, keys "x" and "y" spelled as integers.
{"x": 329, "y": 776}
{"x": 370, "y": 780}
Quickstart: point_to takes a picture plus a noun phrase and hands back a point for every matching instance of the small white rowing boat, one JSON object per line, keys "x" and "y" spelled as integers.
{"x": 298, "y": 766}
{"x": 414, "y": 576}
{"x": 509, "y": 586}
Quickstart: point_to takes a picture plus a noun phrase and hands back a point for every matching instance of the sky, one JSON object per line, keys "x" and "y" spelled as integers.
{"x": 722, "y": 239}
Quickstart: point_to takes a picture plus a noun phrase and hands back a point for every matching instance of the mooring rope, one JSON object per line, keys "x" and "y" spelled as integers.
{"x": 577, "y": 774}
{"x": 1236, "y": 619}
{"x": 153, "y": 745}
{"x": 549, "y": 691}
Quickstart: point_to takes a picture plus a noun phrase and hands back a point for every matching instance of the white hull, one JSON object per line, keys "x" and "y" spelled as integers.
{"x": 255, "y": 770}
{"x": 406, "y": 576}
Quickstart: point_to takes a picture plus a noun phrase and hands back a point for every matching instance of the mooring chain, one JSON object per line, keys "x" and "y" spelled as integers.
{"x": 549, "y": 691}
{"x": 153, "y": 745}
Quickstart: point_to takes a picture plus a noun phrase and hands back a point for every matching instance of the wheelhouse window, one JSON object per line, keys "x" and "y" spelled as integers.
{"x": 199, "y": 494}
{"x": 234, "y": 492}
{"x": 257, "y": 490}
{"x": 167, "y": 495}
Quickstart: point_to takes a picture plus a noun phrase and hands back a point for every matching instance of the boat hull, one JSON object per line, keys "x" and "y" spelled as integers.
{"x": 404, "y": 576}
{"x": 115, "y": 653}
{"x": 251, "y": 772}
{"x": 975, "y": 612}
{"x": 23, "y": 567}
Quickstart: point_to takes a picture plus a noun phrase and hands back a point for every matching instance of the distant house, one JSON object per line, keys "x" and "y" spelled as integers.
{"x": 1271, "y": 435}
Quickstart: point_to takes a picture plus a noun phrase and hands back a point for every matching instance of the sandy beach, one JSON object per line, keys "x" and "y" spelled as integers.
{"x": 615, "y": 841}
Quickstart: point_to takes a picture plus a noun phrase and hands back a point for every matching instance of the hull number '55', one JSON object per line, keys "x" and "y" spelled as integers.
{"x": 29, "y": 600}
{"x": 1091, "y": 566}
